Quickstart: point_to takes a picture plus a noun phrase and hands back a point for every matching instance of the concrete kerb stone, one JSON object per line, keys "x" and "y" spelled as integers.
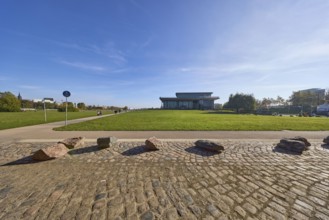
{"x": 93, "y": 140}
{"x": 106, "y": 142}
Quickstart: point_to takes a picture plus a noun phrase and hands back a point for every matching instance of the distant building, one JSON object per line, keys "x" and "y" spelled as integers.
{"x": 314, "y": 91}
{"x": 19, "y": 97}
{"x": 189, "y": 100}
{"x": 318, "y": 93}
{"x": 46, "y": 100}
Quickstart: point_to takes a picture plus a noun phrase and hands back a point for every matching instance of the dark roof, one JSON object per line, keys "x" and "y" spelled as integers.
{"x": 194, "y": 92}
{"x": 187, "y": 99}
{"x": 50, "y": 99}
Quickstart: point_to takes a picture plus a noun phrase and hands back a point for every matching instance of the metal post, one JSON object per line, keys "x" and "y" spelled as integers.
{"x": 45, "y": 110}
{"x": 66, "y": 94}
{"x": 66, "y": 112}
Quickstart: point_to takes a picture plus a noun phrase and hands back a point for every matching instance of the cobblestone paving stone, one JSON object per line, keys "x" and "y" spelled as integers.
{"x": 249, "y": 180}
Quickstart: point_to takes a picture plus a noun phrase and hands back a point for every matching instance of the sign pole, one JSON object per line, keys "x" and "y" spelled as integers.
{"x": 66, "y": 94}
{"x": 66, "y": 111}
{"x": 45, "y": 110}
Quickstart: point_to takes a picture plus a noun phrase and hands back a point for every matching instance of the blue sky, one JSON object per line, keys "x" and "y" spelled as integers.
{"x": 129, "y": 53}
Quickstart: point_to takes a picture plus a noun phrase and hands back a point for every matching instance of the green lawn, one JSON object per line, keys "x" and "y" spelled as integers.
{"x": 176, "y": 120}
{"x": 20, "y": 119}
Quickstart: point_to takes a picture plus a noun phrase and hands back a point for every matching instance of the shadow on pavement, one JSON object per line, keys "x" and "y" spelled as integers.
{"x": 135, "y": 151}
{"x": 84, "y": 150}
{"x": 325, "y": 146}
{"x": 283, "y": 151}
{"x": 201, "y": 152}
{"x": 21, "y": 161}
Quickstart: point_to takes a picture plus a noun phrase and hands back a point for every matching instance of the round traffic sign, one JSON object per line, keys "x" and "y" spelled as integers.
{"x": 66, "y": 94}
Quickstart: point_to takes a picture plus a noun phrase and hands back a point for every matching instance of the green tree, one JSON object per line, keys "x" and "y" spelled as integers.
{"x": 27, "y": 103}
{"x": 305, "y": 99}
{"x": 266, "y": 102}
{"x": 81, "y": 105}
{"x": 280, "y": 101}
{"x": 326, "y": 96}
{"x": 9, "y": 102}
{"x": 70, "y": 107}
{"x": 241, "y": 101}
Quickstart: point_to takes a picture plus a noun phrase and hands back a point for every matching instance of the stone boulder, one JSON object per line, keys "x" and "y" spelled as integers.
{"x": 153, "y": 144}
{"x": 75, "y": 142}
{"x": 298, "y": 138}
{"x": 209, "y": 145}
{"x": 326, "y": 140}
{"x": 52, "y": 152}
{"x": 296, "y": 145}
{"x": 106, "y": 142}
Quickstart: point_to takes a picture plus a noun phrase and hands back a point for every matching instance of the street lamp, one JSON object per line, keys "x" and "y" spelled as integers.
{"x": 44, "y": 109}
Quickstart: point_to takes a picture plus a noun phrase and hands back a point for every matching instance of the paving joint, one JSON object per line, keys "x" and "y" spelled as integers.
{"x": 249, "y": 180}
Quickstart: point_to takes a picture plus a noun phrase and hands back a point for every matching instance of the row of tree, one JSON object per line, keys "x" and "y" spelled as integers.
{"x": 307, "y": 101}
{"x": 10, "y": 103}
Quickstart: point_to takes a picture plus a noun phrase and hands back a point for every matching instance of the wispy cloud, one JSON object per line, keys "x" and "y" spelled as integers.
{"x": 31, "y": 87}
{"x": 140, "y": 7}
{"x": 147, "y": 42}
{"x": 83, "y": 65}
{"x": 123, "y": 70}
{"x": 108, "y": 50}
{"x": 3, "y": 78}
{"x": 272, "y": 41}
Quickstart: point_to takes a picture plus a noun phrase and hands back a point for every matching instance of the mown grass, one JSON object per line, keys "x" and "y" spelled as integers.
{"x": 20, "y": 119}
{"x": 179, "y": 120}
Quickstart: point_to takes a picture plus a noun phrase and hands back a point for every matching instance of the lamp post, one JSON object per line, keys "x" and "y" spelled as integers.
{"x": 44, "y": 109}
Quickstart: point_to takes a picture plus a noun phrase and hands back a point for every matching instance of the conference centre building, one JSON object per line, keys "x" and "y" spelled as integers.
{"x": 189, "y": 100}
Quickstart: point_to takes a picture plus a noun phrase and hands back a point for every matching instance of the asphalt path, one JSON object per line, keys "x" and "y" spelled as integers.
{"x": 45, "y": 132}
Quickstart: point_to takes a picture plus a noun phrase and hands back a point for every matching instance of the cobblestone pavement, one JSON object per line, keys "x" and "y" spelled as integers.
{"x": 249, "y": 180}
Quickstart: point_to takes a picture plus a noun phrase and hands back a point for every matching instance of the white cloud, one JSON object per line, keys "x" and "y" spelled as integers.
{"x": 272, "y": 39}
{"x": 123, "y": 70}
{"x": 108, "y": 50}
{"x": 147, "y": 42}
{"x": 31, "y": 87}
{"x": 83, "y": 66}
{"x": 3, "y": 78}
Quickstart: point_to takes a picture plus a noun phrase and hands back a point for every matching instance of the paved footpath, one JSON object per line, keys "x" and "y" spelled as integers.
{"x": 46, "y": 132}
{"x": 249, "y": 180}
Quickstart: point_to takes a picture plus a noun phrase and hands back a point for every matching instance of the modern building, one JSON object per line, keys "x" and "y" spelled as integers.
{"x": 313, "y": 91}
{"x": 317, "y": 93}
{"x": 189, "y": 100}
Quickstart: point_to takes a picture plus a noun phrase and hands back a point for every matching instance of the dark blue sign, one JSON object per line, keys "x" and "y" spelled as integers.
{"x": 66, "y": 94}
